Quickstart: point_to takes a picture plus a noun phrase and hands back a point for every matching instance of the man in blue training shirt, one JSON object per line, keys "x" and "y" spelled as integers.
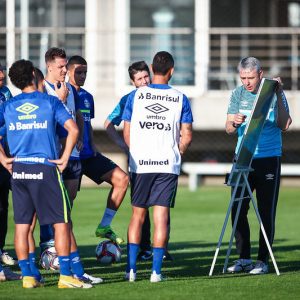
{"x": 157, "y": 130}
{"x": 30, "y": 120}
{"x": 265, "y": 177}
{"x": 95, "y": 165}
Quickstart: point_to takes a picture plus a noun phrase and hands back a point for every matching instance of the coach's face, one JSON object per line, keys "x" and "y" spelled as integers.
{"x": 58, "y": 69}
{"x": 141, "y": 78}
{"x": 251, "y": 79}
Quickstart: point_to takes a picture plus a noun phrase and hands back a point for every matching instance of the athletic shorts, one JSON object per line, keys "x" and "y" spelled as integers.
{"x": 73, "y": 170}
{"x": 39, "y": 188}
{"x": 149, "y": 189}
{"x": 96, "y": 166}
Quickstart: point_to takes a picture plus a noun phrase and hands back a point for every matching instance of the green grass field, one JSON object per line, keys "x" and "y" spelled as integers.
{"x": 196, "y": 223}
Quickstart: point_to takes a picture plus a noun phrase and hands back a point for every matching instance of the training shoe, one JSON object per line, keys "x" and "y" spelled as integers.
{"x": 156, "y": 277}
{"x": 7, "y": 259}
{"x": 259, "y": 268}
{"x": 2, "y": 276}
{"x": 69, "y": 282}
{"x": 46, "y": 245}
{"x": 131, "y": 276}
{"x": 167, "y": 256}
{"x": 144, "y": 255}
{"x": 29, "y": 282}
{"x": 241, "y": 265}
{"x": 107, "y": 232}
{"x": 89, "y": 279}
{"x": 10, "y": 275}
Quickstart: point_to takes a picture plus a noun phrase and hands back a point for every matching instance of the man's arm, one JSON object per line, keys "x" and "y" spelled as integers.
{"x": 114, "y": 136}
{"x": 126, "y": 133}
{"x": 186, "y": 136}
{"x": 71, "y": 140}
{"x": 283, "y": 119}
{"x": 233, "y": 122}
{"x": 80, "y": 124}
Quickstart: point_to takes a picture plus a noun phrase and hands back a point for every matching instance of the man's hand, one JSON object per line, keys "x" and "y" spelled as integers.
{"x": 62, "y": 92}
{"x": 60, "y": 163}
{"x": 7, "y": 163}
{"x": 239, "y": 119}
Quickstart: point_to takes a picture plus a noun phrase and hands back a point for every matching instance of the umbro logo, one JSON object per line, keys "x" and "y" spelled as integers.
{"x": 27, "y": 108}
{"x": 269, "y": 176}
{"x": 156, "y": 108}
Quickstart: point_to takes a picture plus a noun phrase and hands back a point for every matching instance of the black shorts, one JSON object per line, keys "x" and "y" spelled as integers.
{"x": 96, "y": 166}
{"x": 73, "y": 170}
{"x": 39, "y": 188}
{"x": 149, "y": 189}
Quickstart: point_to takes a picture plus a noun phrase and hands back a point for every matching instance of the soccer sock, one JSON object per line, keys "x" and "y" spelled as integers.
{"x": 1, "y": 268}
{"x": 132, "y": 251}
{"x": 24, "y": 265}
{"x": 34, "y": 270}
{"x": 158, "y": 254}
{"x": 107, "y": 217}
{"x": 64, "y": 265}
{"x": 46, "y": 233}
{"x": 76, "y": 264}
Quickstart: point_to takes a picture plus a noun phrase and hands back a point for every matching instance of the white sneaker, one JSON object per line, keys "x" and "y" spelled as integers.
{"x": 7, "y": 259}
{"x": 259, "y": 268}
{"x": 241, "y": 265}
{"x": 2, "y": 276}
{"x": 131, "y": 276}
{"x": 89, "y": 278}
{"x": 156, "y": 277}
{"x": 10, "y": 275}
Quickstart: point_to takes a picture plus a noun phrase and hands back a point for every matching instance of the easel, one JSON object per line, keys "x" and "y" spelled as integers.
{"x": 241, "y": 167}
{"x": 241, "y": 181}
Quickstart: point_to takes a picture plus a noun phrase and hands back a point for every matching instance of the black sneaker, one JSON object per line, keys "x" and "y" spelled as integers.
{"x": 167, "y": 256}
{"x": 145, "y": 255}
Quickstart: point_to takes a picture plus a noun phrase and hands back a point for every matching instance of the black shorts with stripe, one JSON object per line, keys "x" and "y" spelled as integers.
{"x": 39, "y": 188}
{"x": 150, "y": 189}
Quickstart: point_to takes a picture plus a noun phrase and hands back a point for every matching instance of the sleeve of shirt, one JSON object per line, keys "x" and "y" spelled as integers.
{"x": 128, "y": 107}
{"x": 92, "y": 113}
{"x": 186, "y": 114}
{"x": 60, "y": 112}
{"x": 233, "y": 107}
{"x": 116, "y": 116}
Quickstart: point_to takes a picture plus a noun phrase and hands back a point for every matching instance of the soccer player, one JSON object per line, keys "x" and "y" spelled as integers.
{"x": 4, "y": 185}
{"x": 56, "y": 61}
{"x": 35, "y": 167}
{"x": 94, "y": 165}
{"x": 157, "y": 130}
{"x": 139, "y": 76}
{"x": 266, "y": 162}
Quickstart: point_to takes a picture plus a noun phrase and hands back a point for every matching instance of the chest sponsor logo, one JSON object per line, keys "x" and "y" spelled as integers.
{"x": 86, "y": 103}
{"x": 155, "y": 126}
{"x": 150, "y": 96}
{"x": 27, "y": 126}
{"x": 27, "y": 109}
{"x": 29, "y": 176}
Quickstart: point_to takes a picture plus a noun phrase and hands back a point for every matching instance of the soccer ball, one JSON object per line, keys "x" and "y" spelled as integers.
{"x": 108, "y": 252}
{"x": 49, "y": 259}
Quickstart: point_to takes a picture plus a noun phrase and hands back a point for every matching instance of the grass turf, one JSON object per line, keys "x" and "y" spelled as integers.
{"x": 196, "y": 224}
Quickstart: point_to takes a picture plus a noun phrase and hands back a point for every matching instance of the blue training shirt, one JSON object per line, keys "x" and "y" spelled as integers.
{"x": 270, "y": 142}
{"x": 30, "y": 119}
{"x": 116, "y": 116}
{"x": 86, "y": 106}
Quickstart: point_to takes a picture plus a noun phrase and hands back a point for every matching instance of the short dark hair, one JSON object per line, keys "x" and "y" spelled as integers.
{"x": 76, "y": 60}
{"x": 38, "y": 74}
{"x": 136, "y": 67}
{"x": 162, "y": 62}
{"x": 54, "y": 52}
{"x": 21, "y": 73}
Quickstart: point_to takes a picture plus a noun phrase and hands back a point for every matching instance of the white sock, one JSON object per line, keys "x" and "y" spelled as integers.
{"x": 107, "y": 217}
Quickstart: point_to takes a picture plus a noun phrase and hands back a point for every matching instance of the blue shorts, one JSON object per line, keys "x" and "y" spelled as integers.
{"x": 73, "y": 170}
{"x": 149, "y": 189}
{"x": 39, "y": 188}
{"x": 96, "y": 166}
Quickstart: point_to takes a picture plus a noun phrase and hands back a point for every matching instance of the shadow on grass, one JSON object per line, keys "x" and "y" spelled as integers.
{"x": 191, "y": 259}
